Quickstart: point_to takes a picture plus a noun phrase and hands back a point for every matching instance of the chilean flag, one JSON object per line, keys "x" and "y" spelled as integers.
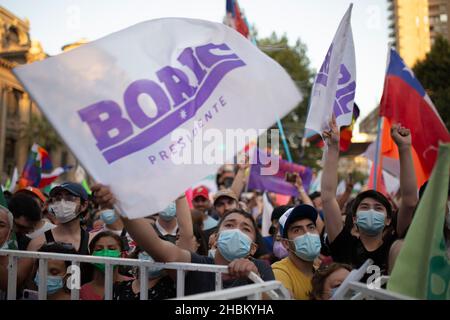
{"x": 405, "y": 101}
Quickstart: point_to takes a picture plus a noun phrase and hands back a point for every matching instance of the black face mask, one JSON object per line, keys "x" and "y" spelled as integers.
{"x": 227, "y": 182}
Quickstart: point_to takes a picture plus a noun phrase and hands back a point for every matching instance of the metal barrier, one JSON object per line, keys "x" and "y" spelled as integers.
{"x": 181, "y": 269}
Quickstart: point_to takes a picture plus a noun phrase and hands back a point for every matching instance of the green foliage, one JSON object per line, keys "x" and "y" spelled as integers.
{"x": 296, "y": 63}
{"x": 40, "y": 131}
{"x": 434, "y": 74}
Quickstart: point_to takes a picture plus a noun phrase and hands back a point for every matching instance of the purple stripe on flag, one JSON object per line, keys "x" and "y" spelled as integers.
{"x": 277, "y": 183}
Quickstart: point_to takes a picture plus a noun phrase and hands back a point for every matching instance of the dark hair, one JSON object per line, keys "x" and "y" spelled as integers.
{"x": 321, "y": 275}
{"x": 314, "y": 195}
{"x": 278, "y": 212}
{"x": 22, "y": 204}
{"x": 378, "y": 196}
{"x": 59, "y": 247}
{"x": 243, "y": 213}
{"x": 200, "y": 237}
{"x": 105, "y": 234}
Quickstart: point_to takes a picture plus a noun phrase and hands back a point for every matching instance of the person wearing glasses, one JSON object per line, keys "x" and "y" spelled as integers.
{"x": 68, "y": 203}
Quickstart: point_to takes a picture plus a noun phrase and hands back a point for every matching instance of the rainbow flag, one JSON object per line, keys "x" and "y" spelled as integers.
{"x": 38, "y": 161}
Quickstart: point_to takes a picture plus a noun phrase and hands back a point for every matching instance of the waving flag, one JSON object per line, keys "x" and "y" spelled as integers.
{"x": 334, "y": 88}
{"x": 405, "y": 101}
{"x": 48, "y": 178}
{"x": 132, "y": 105}
{"x": 235, "y": 19}
{"x": 422, "y": 269}
{"x": 277, "y": 183}
{"x": 38, "y": 161}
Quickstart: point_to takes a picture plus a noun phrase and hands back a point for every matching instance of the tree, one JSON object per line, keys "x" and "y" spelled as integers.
{"x": 296, "y": 63}
{"x": 40, "y": 131}
{"x": 433, "y": 73}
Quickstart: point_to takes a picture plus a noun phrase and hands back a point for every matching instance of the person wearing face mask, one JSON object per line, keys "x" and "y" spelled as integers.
{"x": 166, "y": 225}
{"x": 235, "y": 245}
{"x": 56, "y": 272}
{"x": 67, "y": 203}
{"x": 114, "y": 224}
{"x": 160, "y": 285}
{"x": 371, "y": 210}
{"x": 301, "y": 240}
{"x": 104, "y": 244}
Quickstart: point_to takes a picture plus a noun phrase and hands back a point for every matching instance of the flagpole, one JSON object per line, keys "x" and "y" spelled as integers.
{"x": 377, "y": 154}
{"x": 283, "y": 138}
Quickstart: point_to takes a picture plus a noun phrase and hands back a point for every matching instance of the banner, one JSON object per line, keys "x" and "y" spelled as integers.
{"x": 133, "y": 105}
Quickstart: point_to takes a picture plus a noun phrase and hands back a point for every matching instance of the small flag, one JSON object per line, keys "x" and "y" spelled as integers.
{"x": 48, "y": 178}
{"x": 38, "y": 161}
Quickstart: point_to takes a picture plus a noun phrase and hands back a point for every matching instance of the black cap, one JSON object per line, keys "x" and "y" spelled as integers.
{"x": 302, "y": 211}
{"x": 74, "y": 188}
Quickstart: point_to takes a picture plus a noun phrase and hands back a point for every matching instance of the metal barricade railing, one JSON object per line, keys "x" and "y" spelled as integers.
{"x": 181, "y": 269}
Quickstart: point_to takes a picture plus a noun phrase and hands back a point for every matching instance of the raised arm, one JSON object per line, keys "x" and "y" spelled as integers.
{"x": 142, "y": 232}
{"x": 408, "y": 181}
{"x": 186, "y": 230}
{"x": 343, "y": 198}
{"x": 240, "y": 179}
{"x": 301, "y": 191}
{"x": 332, "y": 212}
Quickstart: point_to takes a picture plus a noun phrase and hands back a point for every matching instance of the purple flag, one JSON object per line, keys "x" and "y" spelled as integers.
{"x": 277, "y": 183}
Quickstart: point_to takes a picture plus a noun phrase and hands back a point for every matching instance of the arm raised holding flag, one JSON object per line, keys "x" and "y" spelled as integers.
{"x": 371, "y": 211}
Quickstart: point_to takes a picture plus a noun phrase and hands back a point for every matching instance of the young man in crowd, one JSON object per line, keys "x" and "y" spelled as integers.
{"x": 301, "y": 239}
{"x": 371, "y": 210}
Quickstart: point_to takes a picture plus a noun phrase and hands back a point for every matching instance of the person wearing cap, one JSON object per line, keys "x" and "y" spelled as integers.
{"x": 371, "y": 210}
{"x": 201, "y": 202}
{"x": 67, "y": 203}
{"x": 225, "y": 200}
{"x": 45, "y": 224}
{"x": 301, "y": 239}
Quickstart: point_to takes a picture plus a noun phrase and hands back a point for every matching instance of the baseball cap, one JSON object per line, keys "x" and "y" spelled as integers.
{"x": 302, "y": 211}
{"x": 200, "y": 191}
{"x": 33, "y": 191}
{"x": 225, "y": 193}
{"x": 74, "y": 188}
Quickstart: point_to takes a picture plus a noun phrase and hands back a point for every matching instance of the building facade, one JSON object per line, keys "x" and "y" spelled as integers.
{"x": 20, "y": 119}
{"x": 410, "y": 29}
{"x": 439, "y": 13}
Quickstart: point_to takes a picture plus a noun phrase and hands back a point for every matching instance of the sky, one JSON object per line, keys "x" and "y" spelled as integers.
{"x": 56, "y": 23}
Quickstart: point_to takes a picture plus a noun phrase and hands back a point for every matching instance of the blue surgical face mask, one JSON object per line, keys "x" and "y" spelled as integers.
{"x": 169, "y": 213}
{"x": 152, "y": 272}
{"x": 109, "y": 216}
{"x": 370, "y": 222}
{"x": 54, "y": 283}
{"x": 233, "y": 244}
{"x": 307, "y": 246}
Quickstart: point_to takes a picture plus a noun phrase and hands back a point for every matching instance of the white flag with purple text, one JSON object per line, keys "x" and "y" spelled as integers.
{"x": 133, "y": 104}
{"x": 334, "y": 87}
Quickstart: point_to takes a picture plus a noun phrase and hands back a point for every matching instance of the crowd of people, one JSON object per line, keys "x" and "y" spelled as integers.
{"x": 314, "y": 243}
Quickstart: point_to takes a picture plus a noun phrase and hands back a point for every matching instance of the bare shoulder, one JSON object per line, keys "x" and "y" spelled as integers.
{"x": 36, "y": 243}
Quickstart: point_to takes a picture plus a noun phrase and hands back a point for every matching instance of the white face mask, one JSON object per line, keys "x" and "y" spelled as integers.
{"x": 64, "y": 211}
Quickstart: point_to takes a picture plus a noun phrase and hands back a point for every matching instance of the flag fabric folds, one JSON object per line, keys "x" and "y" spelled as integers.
{"x": 334, "y": 88}
{"x": 422, "y": 268}
{"x": 405, "y": 101}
